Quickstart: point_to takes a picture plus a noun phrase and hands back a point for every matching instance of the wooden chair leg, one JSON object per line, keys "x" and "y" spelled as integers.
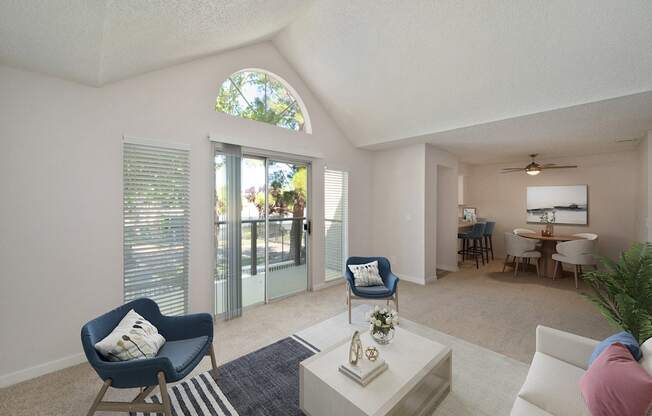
{"x": 516, "y": 264}
{"x": 349, "y": 302}
{"x": 576, "y": 284}
{"x": 396, "y": 298}
{"x": 536, "y": 264}
{"x": 165, "y": 397}
{"x": 99, "y": 397}
{"x": 144, "y": 392}
{"x": 505, "y": 263}
{"x": 211, "y": 352}
{"x": 491, "y": 247}
{"x": 554, "y": 274}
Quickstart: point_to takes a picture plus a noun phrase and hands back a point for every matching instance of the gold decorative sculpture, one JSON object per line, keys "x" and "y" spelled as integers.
{"x": 372, "y": 353}
{"x": 355, "y": 351}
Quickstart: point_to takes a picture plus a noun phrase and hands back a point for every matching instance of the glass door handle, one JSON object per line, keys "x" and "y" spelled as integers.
{"x": 307, "y": 227}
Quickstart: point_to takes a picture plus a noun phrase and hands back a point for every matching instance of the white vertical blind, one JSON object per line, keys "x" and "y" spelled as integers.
{"x": 156, "y": 217}
{"x": 336, "y": 207}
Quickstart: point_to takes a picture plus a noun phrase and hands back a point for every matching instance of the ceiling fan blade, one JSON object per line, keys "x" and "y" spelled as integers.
{"x": 559, "y": 167}
{"x": 548, "y": 165}
{"x": 512, "y": 170}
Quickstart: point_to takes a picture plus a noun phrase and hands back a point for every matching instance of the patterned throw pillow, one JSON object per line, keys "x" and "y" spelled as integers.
{"x": 366, "y": 274}
{"x": 133, "y": 338}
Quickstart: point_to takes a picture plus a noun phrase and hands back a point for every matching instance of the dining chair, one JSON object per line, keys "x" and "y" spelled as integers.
{"x": 521, "y": 231}
{"x": 520, "y": 248}
{"x": 576, "y": 252}
{"x": 586, "y": 236}
{"x": 476, "y": 235}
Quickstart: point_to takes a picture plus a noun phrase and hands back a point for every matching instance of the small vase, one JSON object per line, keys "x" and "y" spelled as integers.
{"x": 381, "y": 337}
{"x": 549, "y": 231}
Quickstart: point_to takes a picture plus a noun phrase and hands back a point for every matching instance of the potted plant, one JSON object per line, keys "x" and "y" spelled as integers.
{"x": 381, "y": 324}
{"x": 623, "y": 291}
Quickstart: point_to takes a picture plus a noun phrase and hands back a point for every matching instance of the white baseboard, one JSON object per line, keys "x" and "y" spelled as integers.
{"x": 417, "y": 280}
{"x": 329, "y": 283}
{"x": 447, "y": 268}
{"x": 7, "y": 380}
{"x": 431, "y": 279}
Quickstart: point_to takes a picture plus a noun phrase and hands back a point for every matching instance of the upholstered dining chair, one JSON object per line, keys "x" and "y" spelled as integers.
{"x": 576, "y": 252}
{"x": 586, "y": 236}
{"x": 521, "y": 231}
{"x": 188, "y": 339}
{"x": 520, "y": 248}
{"x": 388, "y": 291}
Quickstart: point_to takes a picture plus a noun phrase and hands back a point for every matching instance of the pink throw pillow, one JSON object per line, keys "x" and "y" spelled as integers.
{"x": 617, "y": 385}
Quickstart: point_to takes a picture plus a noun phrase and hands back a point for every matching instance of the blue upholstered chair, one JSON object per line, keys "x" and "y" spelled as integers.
{"x": 476, "y": 235}
{"x": 488, "y": 239}
{"x": 389, "y": 290}
{"x": 188, "y": 339}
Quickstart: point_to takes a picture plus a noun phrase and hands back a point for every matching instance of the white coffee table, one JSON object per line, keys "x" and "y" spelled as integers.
{"x": 417, "y": 380}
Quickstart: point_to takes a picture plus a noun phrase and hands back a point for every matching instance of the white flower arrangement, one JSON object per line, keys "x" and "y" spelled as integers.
{"x": 382, "y": 320}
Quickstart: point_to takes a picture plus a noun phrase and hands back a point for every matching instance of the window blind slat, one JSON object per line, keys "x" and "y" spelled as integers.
{"x": 156, "y": 229}
{"x": 335, "y": 222}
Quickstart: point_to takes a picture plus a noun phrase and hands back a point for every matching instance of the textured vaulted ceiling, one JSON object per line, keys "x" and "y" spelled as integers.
{"x": 389, "y": 70}
{"x": 485, "y": 79}
{"x": 99, "y": 41}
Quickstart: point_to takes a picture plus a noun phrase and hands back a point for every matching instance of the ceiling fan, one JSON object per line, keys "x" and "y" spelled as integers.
{"x": 535, "y": 168}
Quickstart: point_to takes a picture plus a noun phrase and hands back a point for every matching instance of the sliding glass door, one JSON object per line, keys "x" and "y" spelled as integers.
{"x": 253, "y": 230}
{"x": 287, "y": 223}
{"x": 267, "y": 259}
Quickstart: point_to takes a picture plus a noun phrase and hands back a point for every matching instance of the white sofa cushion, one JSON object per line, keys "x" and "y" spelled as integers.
{"x": 646, "y": 361}
{"x": 524, "y": 408}
{"x": 552, "y": 385}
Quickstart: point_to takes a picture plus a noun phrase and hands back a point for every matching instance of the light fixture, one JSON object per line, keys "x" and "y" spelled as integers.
{"x": 533, "y": 169}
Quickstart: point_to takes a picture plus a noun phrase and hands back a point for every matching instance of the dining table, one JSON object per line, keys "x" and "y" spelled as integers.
{"x": 548, "y": 248}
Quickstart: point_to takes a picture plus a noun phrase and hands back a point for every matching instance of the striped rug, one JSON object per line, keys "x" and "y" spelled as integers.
{"x": 264, "y": 382}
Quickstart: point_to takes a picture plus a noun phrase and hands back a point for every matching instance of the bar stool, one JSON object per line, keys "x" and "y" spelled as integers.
{"x": 476, "y": 235}
{"x": 488, "y": 241}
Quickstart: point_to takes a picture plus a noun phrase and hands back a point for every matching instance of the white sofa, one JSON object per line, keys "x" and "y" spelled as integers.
{"x": 552, "y": 384}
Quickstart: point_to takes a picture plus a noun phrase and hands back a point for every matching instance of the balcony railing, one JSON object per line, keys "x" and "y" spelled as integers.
{"x": 279, "y": 244}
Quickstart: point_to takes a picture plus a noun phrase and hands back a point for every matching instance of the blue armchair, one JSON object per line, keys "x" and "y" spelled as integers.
{"x": 388, "y": 291}
{"x": 188, "y": 339}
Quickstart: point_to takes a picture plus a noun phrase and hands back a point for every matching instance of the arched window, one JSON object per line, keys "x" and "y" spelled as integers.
{"x": 260, "y": 95}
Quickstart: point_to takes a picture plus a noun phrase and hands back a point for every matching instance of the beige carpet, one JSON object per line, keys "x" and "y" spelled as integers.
{"x": 484, "y": 383}
{"x": 484, "y": 307}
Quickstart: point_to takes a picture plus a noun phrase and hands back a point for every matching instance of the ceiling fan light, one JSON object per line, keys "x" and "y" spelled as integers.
{"x": 533, "y": 171}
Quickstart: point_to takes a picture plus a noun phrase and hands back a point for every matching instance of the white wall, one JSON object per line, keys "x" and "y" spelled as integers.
{"x": 61, "y": 173}
{"x": 643, "y": 214}
{"x": 441, "y": 211}
{"x": 613, "y": 190}
{"x": 398, "y": 209}
{"x": 415, "y": 211}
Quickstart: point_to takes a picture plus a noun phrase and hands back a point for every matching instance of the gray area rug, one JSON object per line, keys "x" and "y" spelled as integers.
{"x": 266, "y": 382}
{"x": 262, "y": 383}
